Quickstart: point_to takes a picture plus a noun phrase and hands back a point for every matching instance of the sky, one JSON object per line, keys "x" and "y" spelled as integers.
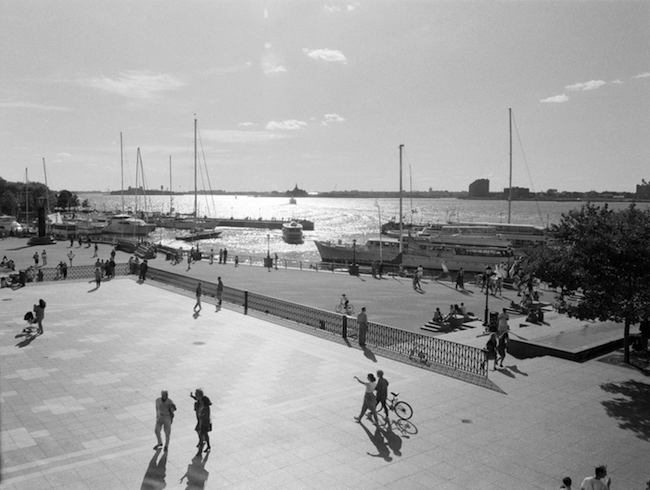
{"x": 321, "y": 94}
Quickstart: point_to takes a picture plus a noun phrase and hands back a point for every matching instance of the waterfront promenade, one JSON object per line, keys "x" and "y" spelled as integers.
{"x": 78, "y": 402}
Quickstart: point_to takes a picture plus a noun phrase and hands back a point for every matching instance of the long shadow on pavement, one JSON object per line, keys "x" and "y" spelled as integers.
{"x": 630, "y": 409}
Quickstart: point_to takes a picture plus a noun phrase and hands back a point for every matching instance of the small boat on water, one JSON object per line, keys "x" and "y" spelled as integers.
{"x": 292, "y": 232}
{"x": 199, "y": 234}
{"x": 124, "y": 224}
{"x": 293, "y": 201}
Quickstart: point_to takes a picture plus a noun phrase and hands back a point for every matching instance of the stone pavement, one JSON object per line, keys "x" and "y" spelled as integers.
{"x": 78, "y": 406}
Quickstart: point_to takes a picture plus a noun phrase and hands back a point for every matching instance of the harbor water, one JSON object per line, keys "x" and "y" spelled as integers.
{"x": 334, "y": 219}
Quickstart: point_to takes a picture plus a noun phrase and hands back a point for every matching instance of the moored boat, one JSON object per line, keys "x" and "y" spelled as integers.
{"x": 124, "y": 224}
{"x": 292, "y": 232}
{"x": 374, "y": 250}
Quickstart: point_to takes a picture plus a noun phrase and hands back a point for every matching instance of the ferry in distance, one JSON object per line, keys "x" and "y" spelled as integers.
{"x": 292, "y": 233}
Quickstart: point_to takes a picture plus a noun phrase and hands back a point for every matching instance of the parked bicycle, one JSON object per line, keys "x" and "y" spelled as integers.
{"x": 402, "y": 409}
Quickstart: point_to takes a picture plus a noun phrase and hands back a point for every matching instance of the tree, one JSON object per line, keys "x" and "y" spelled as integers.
{"x": 67, "y": 199}
{"x": 606, "y": 255}
{"x": 8, "y": 202}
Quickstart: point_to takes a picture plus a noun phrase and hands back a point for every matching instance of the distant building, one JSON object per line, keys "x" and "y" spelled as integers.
{"x": 296, "y": 192}
{"x": 479, "y": 188}
{"x": 643, "y": 190}
{"x": 517, "y": 192}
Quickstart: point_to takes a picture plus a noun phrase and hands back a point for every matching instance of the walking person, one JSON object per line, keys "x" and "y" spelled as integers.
{"x": 236, "y": 260}
{"x": 198, "y": 293}
{"x": 189, "y": 260}
{"x": 460, "y": 279}
{"x": 96, "y": 251}
{"x": 165, "y": 409}
{"x": 503, "y": 322}
{"x": 211, "y": 256}
{"x": 598, "y": 482}
{"x": 382, "y": 392}
{"x": 39, "y": 310}
{"x": 225, "y": 255}
{"x": 491, "y": 351}
{"x": 501, "y": 348}
{"x": 369, "y": 400}
{"x": 98, "y": 277}
{"x": 221, "y": 255}
{"x": 203, "y": 419}
{"x": 219, "y": 292}
{"x": 362, "y": 323}
{"x": 70, "y": 257}
{"x": 44, "y": 257}
{"x": 36, "y": 258}
{"x": 143, "y": 270}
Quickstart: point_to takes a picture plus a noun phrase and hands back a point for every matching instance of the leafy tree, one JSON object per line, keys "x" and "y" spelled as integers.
{"x": 67, "y": 199}
{"x": 606, "y": 255}
{"x": 8, "y": 202}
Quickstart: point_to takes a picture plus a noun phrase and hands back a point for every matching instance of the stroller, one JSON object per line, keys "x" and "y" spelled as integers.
{"x": 30, "y": 328}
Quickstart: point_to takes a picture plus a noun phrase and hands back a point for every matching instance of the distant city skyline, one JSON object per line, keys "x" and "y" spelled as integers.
{"x": 324, "y": 93}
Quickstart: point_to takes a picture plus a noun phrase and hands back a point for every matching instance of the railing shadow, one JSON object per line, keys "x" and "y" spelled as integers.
{"x": 631, "y": 408}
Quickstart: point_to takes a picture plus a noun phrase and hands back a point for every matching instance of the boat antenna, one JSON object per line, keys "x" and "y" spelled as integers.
{"x": 195, "y": 188}
{"x": 510, "y": 182}
{"x": 401, "y": 224}
{"x": 47, "y": 190}
{"x": 122, "y": 169}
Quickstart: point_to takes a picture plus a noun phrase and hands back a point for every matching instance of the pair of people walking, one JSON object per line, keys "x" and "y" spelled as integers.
{"x": 165, "y": 410}
{"x": 370, "y": 400}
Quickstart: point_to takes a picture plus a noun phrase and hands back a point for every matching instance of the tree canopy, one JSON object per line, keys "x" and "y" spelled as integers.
{"x": 605, "y": 255}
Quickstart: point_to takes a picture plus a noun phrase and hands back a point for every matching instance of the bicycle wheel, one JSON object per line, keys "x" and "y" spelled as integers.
{"x": 339, "y": 308}
{"x": 350, "y": 310}
{"x": 403, "y": 410}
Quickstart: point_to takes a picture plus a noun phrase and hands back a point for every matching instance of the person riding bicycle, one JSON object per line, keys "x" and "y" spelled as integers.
{"x": 345, "y": 302}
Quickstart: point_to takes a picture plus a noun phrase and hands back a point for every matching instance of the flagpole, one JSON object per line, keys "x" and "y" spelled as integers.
{"x": 381, "y": 256}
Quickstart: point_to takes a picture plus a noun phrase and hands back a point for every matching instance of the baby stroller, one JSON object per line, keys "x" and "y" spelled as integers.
{"x": 30, "y": 328}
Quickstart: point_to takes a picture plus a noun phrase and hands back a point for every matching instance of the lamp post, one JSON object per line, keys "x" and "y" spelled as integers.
{"x": 488, "y": 275}
{"x": 268, "y": 252}
{"x": 354, "y": 270}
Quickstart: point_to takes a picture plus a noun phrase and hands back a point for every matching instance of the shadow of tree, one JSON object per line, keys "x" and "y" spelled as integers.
{"x": 630, "y": 409}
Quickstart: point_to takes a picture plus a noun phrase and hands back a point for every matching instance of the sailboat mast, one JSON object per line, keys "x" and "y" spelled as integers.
{"x": 122, "y": 169}
{"x": 26, "y": 197}
{"x": 171, "y": 196}
{"x": 510, "y": 181}
{"x": 401, "y": 224}
{"x": 195, "y": 183}
{"x": 47, "y": 190}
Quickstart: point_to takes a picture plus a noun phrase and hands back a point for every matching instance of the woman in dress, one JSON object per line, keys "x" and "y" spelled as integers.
{"x": 203, "y": 419}
{"x": 369, "y": 399}
{"x": 501, "y": 349}
{"x": 39, "y": 311}
{"x": 491, "y": 350}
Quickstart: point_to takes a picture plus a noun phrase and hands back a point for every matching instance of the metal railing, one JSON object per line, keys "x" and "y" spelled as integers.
{"x": 421, "y": 349}
{"x": 42, "y": 274}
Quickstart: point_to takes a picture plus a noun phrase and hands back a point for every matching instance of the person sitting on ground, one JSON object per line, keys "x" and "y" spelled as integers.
{"x": 452, "y": 310}
{"x": 4, "y": 261}
{"x": 463, "y": 309}
{"x": 437, "y": 316}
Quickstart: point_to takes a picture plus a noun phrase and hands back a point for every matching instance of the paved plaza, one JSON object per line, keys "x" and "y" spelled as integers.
{"x": 78, "y": 405}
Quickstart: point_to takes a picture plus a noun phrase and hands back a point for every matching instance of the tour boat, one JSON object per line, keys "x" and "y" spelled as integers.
{"x": 292, "y": 232}
{"x": 124, "y": 224}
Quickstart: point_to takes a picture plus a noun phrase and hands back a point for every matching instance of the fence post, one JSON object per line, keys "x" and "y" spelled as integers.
{"x": 301, "y": 265}
{"x": 245, "y": 302}
{"x": 345, "y": 326}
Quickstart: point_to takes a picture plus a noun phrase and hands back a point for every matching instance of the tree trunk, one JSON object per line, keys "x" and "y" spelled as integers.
{"x": 626, "y": 342}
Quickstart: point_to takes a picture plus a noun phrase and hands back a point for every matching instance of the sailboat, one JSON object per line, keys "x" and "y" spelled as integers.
{"x": 197, "y": 233}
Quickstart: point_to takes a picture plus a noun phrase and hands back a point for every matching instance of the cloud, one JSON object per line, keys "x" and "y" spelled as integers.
{"x": 136, "y": 84}
{"x": 591, "y": 85}
{"x": 246, "y": 125}
{"x": 331, "y": 118}
{"x": 332, "y": 8}
{"x": 325, "y": 55}
{"x": 557, "y": 99}
{"x": 290, "y": 124}
{"x": 31, "y": 105}
{"x": 269, "y": 68}
{"x": 233, "y": 136}
{"x": 63, "y": 154}
{"x": 618, "y": 81}
{"x": 352, "y": 6}
{"x": 643, "y": 75}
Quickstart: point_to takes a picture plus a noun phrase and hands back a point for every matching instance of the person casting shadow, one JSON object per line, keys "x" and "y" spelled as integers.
{"x": 154, "y": 478}
{"x": 196, "y": 473}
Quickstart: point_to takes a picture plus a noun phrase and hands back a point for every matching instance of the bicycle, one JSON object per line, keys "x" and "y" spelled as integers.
{"x": 402, "y": 409}
{"x": 349, "y": 310}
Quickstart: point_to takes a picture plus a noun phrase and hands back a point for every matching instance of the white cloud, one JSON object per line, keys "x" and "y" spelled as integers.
{"x": 290, "y": 124}
{"x": 63, "y": 154}
{"x": 269, "y": 68}
{"x": 325, "y": 55}
{"x": 330, "y": 118}
{"x": 332, "y": 8}
{"x": 30, "y": 105}
{"x": 643, "y": 75}
{"x": 246, "y": 125}
{"x": 233, "y": 136}
{"x": 616, "y": 82}
{"x": 136, "y": 84}
{"x": 352, "y": 6}
{"x": 590, "y": 85}
{"x": 557, "y": 99}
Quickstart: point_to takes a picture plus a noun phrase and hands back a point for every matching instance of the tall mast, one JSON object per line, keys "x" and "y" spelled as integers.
{"x": 26, "y": 197}
{"x": 510, "y": 182}
{"x": 47, "y": 190}
{"x": 122, "y": 169}
{"x": 401, "y": 224}
{"x": 171, "y": 196}
{"x": 137, "y": 181}
{"x": 195, "y": 188}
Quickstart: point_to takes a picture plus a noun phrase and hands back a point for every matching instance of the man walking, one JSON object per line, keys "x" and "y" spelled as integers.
{"x": 165, "y": 409}
{"x": 70, "y": 256}
{"x": 219, "y": 292}
{"x": 198, "y": 292}
{"x": 362, "y": 322}
{"x": 382, "y": 391}
{"x": 143, "y": 270}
